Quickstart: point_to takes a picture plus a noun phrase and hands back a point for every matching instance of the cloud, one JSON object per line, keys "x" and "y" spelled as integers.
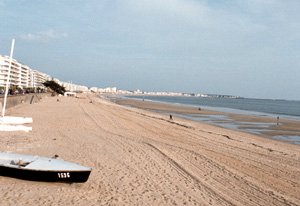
{"x": 188, "y": 10}
{"x": 44, "y": 36}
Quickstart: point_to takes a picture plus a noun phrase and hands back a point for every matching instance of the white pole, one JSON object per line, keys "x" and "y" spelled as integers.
{"x": 8, "y": 77}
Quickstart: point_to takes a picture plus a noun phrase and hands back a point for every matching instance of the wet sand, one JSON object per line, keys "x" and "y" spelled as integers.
{"x": 142, "y": 158}
{"x": 263, "y": 125}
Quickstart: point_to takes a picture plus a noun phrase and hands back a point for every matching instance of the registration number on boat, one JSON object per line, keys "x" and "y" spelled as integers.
{"x": 63, "y": 175}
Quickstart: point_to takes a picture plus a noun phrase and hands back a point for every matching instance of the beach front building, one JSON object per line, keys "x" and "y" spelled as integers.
{"x": 74, "y": 87}
{"x": 38, "y": 78}
{"x": 21, "y": 75}
{"x": 104, "y": 90}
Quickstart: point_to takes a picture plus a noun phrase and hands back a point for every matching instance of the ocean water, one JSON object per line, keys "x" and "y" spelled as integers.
{"x": 258, "y": 107}
{"x": 282, "y": 108}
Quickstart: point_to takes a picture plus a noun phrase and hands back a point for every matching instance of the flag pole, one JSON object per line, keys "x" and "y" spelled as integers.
{"x": 8, "y": 76}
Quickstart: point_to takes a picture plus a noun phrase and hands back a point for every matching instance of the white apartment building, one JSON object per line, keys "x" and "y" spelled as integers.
{"x": 107, "y": 90}
{"x": 74, "y": 87}
{"x": 20, "y": 75}
{"x": 38, "y": 78}
{"x": 25, "y": 77}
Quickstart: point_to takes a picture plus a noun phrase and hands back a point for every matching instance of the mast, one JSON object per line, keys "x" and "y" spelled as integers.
{"x": 8, "y": 76}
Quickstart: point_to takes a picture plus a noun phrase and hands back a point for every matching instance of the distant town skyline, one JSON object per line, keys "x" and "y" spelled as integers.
{"x": 241, "y": 48}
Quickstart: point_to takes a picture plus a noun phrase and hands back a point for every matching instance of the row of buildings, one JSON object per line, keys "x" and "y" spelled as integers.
{"x": 24, "y": 77}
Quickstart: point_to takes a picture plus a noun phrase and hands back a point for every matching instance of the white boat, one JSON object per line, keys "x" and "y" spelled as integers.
{"x": 11, "y": 128}
{"x": 29, "y": 167}
{"x": 15, "y": 120}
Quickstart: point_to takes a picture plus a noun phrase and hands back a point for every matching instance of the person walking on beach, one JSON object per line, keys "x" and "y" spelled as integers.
{"x": 171, "y": 118}
{"x": 277, "y": 120}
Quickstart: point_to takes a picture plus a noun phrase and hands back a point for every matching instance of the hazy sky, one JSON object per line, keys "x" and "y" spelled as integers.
{"x": 249, "y": 48}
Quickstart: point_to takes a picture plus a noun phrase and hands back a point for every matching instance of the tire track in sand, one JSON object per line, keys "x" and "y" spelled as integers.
{"x": 217, "y": 199}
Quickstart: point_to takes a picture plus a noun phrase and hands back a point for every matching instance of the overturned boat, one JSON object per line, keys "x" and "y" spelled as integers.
{"x": 36, "y": 168}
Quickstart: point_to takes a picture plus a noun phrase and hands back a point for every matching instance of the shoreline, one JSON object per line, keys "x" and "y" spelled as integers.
{"x": 287, "y": 130}
{"x": 225, "y": 107}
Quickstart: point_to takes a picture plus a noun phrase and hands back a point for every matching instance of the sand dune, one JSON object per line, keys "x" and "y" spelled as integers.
{"x": 143, "y": 158}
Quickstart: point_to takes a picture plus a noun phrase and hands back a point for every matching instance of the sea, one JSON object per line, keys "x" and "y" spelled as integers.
{"x": 287, "y": 109}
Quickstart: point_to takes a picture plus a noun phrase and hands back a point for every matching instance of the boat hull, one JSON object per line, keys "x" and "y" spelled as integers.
{"x": 44, "y": 175}
{"x": 15, "y": 120}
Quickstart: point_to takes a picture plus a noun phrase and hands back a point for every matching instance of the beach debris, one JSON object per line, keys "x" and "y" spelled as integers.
{"x": 55, "y": 156}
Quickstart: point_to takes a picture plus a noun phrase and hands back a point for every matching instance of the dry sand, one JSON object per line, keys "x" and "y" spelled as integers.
{"x": 142, "y": 158}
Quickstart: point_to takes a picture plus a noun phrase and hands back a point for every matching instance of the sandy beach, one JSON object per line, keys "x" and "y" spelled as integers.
{"x": 143, "y": 158}
{"x": 265, "y": 126}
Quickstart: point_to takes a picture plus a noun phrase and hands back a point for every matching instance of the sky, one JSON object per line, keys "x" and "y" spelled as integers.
{"x": 248, "y": 48}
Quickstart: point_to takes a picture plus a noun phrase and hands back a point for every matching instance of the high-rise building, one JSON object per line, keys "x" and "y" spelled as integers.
{"x": 23, "y": 76}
